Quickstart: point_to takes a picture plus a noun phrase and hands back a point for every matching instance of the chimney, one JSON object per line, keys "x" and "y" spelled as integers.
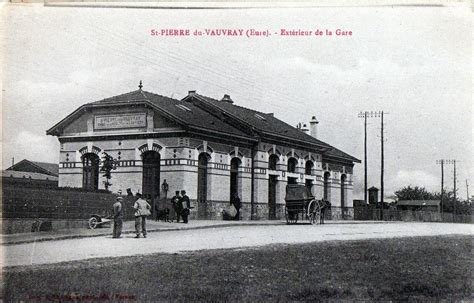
{"x": 227, "y": 99}
{"x": 314, "y": 127}
{"x": 191, "y": 92}
{"x": 304, "y": 129}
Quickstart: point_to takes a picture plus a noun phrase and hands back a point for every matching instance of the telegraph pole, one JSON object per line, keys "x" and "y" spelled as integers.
{"x": 441, "y": 162}
{"x": 364, "y": 115}
{"x": 454, "y": 163}
{"x": 382, "y": 160}
{"x": 467, "y": 191}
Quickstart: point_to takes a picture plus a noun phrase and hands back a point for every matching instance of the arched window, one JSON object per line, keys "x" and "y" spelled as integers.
{"x": 326, "y": 186}
{"x": 90, "y": 171}
{"x": 308, "y": 167}
{"x": 292, "y": 163}
{"x": 272, "y": 162}
{"x": 343, "y": 190}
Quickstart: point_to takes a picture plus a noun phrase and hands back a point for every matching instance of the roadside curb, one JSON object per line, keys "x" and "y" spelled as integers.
{"x": 153, "y": 230}
{"x": 69, "y": 237}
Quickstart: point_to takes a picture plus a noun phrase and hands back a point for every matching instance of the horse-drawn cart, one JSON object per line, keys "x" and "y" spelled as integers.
{"x": 300, "y": 202}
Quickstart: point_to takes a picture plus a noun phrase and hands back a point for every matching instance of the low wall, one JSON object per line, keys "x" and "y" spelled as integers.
{"x": 27, "y": 208}
{"x": 372, "y": 213}
{"x": 25, "y": 225}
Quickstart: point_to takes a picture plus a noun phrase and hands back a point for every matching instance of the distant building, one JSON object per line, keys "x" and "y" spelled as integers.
{"x": 211, "y": 148}
{"x": 31, "y": 173}
{"x": 51, "y": 169}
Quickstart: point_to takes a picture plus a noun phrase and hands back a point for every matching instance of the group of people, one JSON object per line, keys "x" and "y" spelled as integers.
{"x": 142, "y": 209}
{"x": 181, "y": 206}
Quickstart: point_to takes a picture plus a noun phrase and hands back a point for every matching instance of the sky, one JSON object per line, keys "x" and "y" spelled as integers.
{"x": 412, "y": 62}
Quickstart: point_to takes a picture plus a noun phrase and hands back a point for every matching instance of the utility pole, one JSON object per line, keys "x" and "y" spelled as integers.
{"x": 441, "y": 162}
{"x": 467, "y": 191}
{"x": 364, "y": 115}
{"x": 454, "y": 163}
{"x": 381, "y": 160}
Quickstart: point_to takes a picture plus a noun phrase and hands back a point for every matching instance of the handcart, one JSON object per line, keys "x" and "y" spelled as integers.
{"x": 301, "y": 203}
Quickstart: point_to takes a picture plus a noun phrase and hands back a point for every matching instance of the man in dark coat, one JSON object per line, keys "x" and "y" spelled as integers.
{"x": 175, "y": 202}
{"x": 118, "y": 218}
{"x": 186, "y": 206}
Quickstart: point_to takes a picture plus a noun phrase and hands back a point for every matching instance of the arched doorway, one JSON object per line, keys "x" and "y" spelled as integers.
{"x": 203, "y": 161}
{"x": 234, "y": 175}
{"x": 90, "y": 171}
{"x": 326, "y": 195}
{"x": 151, "y": 175}
{"x": 343, "y": 192}
{"x": 272, "y": 184}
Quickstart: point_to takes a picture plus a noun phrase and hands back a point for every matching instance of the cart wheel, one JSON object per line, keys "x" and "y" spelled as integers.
{"x": 314, "y": 212}
{"x": 93, "y": 223}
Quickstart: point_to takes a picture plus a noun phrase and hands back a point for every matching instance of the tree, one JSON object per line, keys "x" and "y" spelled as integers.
{"x": 449, "y": 204}
{"x": 414, "y": 193}
{"x": 108, "y": 164}
{"x": 420, "y": 193}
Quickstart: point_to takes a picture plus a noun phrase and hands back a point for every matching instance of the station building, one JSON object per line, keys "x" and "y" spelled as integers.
{"x": 210, "y": 148}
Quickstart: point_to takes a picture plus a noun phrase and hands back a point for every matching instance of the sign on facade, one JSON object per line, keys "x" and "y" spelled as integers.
{"x": 120, "y": 121}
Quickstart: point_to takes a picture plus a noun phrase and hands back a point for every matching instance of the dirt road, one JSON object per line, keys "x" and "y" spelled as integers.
{"x": 215, "y": 238}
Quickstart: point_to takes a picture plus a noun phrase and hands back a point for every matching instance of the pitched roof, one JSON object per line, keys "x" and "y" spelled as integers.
{"x": 27, "y": 175}
{"x": 267, "y": 123}
{"x": 194, "y": 116}
{"x": 51, "y": 167}
{"x": 38, "y": 167}
{"x": 183, "y": 113}
{"x": 263, "y": 122}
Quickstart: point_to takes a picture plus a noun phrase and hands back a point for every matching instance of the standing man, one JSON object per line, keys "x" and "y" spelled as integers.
{"x": 175, "y": 203}
{"x": 186, "y": 205}
{"x": 118, "y": 221}
{"x": 142, "y": 210}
